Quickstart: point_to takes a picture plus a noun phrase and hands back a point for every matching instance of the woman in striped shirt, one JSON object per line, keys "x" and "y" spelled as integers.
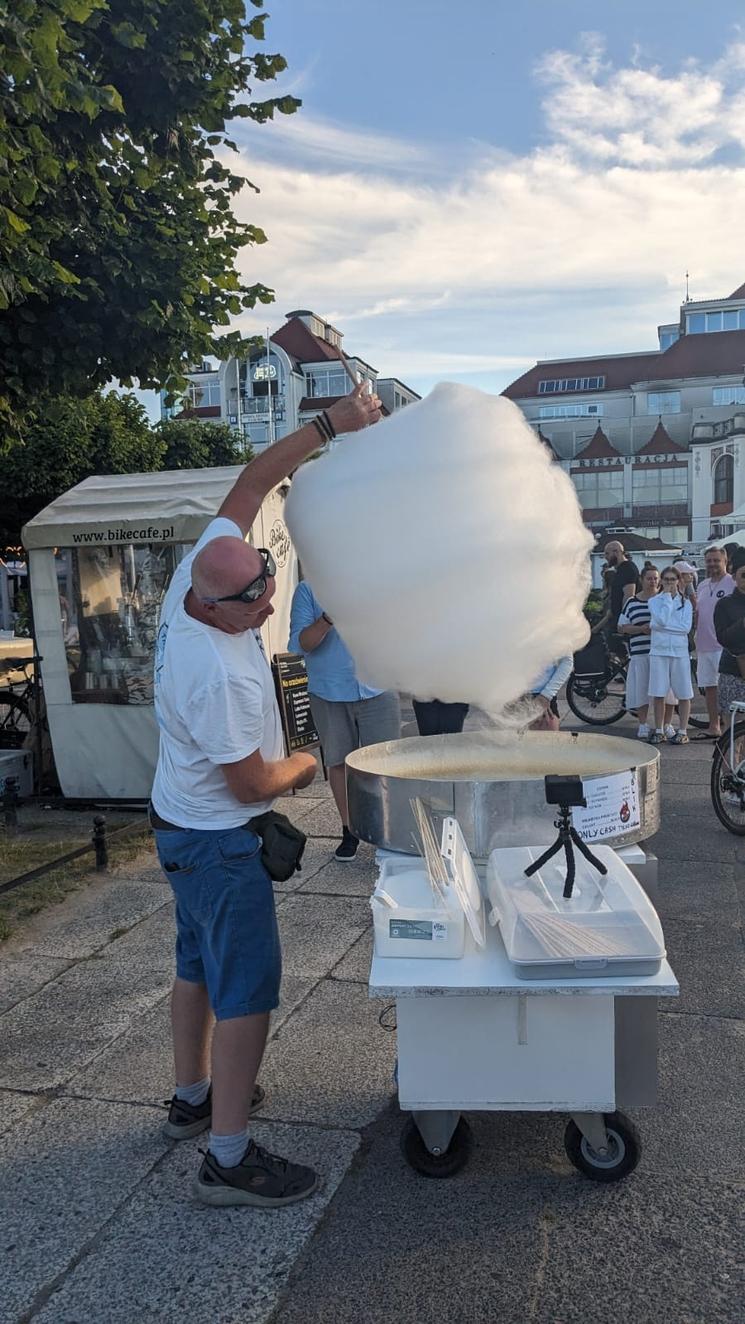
{"x": 634, "y": 624}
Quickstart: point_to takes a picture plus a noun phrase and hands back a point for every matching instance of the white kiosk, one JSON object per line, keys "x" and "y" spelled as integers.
{"x": 100, "y": 559}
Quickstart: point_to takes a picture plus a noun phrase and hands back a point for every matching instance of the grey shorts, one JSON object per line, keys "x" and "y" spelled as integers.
{"x": 344, "y": 727}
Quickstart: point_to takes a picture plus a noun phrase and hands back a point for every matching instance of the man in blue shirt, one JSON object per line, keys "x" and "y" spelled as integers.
{"x": 347, "y": 713}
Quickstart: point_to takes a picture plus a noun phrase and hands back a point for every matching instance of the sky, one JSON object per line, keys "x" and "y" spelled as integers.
{"x": 470, "y": 187}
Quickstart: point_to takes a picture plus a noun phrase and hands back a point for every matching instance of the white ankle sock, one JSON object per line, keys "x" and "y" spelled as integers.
{"x": 194, "y": 1094}
{"x": 229, "y": 1150}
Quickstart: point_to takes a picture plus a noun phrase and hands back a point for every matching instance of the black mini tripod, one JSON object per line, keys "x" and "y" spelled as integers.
{"x": 566, "y": 792}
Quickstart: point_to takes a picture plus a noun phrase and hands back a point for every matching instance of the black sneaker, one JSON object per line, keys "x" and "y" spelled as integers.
{"x": 260, "y": 1179}
{"x": 347, "y": 848}
{"x": 187, "y": 1119}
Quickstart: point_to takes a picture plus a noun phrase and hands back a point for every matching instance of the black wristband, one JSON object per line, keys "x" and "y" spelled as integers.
{"x": 316, "y": 422}
{"x": 326, "y": 618}
{"x": 328, "y": 424}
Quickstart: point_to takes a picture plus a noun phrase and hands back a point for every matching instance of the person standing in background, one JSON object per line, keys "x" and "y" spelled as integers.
{"x": 626, "y": 580}
{"x": 729, "y": 623}
{"x": 634, "y": 624}
{"x": 435, "y": 718}
{"x": 717, "y": 585}
{"x": 347, "y": 714}
{"x": 545, "y": 689}
{"x": 669, "y": 663}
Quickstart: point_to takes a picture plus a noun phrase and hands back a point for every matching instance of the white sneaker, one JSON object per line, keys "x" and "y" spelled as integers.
{"x": 643, "y": 732}
{"x": 669, "y": 732}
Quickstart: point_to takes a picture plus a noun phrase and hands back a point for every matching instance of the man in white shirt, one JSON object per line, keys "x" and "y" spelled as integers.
{"x": 717, "y": 585}
{"x": 221, "y": 765}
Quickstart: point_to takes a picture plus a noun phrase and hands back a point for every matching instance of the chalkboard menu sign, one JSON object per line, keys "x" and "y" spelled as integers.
{"x": 291, "y": 681}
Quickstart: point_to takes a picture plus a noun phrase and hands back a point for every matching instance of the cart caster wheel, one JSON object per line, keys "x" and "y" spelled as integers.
{"x": 624, "y": 1150}
{"x": 419, "y": 1158}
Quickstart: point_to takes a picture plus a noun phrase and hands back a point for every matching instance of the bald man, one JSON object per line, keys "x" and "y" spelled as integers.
{"x": 625, "y": 583}
{"x": 220, "y": 765}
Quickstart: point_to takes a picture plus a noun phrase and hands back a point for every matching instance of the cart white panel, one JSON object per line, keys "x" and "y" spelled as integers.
{"x": 513, "y": 1054}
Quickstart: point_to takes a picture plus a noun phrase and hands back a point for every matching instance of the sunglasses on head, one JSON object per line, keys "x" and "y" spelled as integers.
{"x": 257, "y": 588}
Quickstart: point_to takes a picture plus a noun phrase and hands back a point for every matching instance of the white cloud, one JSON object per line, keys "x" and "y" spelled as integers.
{"x": 578, "y": 245}
{"x": 639, "y": 116}
{"x": 309, "y": 136}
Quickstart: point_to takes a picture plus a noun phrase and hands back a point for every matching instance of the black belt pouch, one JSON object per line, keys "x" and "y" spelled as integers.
{"x": 282, "y": 844}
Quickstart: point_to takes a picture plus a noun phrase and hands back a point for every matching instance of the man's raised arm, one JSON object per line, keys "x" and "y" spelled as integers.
{"x": 243, "y": 502}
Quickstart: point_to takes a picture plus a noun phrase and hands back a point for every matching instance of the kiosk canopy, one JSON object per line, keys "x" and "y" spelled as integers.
{"x": 172, "y": 506}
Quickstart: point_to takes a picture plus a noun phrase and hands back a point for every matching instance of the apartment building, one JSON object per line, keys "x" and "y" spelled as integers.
{"x": 654, "y": 441}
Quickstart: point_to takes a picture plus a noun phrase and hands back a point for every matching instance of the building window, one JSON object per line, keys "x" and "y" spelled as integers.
{"x": 203, "y": 394}
{"x": 668, "y": 338}
{"x": 724, "y": 481}
{"x": 729, "y": 319}
{"x": 663, "y": 402}
{"x": 555, "y": 385}
{"x": 728, "y": 395}
{"x": 597, "y": 491}
{"x": 674, "y": 533}
{"x": 655, "y": 485}
{"x": 332, "y": 381}
{"x": 571, "y": 411}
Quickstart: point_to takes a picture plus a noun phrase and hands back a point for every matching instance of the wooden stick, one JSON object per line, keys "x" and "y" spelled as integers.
{"x": 348, "y": 367}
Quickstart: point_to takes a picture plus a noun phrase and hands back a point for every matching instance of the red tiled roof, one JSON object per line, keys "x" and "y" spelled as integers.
{"x": 298, "y": 340}
{"x": 715, "y": 354}
{"x": 739, "y": 293}
{"x": 598, "y": 448}
{"x": 661, "y": 443}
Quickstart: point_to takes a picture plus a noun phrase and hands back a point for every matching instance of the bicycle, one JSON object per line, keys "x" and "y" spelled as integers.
{"x": 596, "y": 689}
{"x": 18, "y": 703}
{"x": 728, "y": 773}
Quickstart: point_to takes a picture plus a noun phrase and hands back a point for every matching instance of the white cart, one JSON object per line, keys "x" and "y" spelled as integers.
{"x": 472, "y": 1037}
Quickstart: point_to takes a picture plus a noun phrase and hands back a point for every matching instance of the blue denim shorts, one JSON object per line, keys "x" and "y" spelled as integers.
{"x": 226, "y": 923}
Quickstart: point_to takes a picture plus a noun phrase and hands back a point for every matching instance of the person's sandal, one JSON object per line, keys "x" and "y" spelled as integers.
{"x": 680, "y": 738}
{"x": 186, "y": 1120}
{"x": 261, "y": 1179}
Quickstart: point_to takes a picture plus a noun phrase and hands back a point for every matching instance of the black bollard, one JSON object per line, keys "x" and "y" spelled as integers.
{"x": 10, "y": 805}
{"x": 100, "y": 844}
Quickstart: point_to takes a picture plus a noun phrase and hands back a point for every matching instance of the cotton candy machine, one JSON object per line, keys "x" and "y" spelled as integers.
{"x": 493, "y": 784}
{"x": 491, "y": 1027}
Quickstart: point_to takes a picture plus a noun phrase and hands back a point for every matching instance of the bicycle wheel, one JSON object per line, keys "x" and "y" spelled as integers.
{"x": 15, "y": 720}
{"x": 728, "y": 781}
{"x": 598, "y": 700}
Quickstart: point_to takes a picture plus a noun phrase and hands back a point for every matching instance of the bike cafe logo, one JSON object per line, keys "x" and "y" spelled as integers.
{"x": 279, "y": 542}
{"x": 624, "y": 812}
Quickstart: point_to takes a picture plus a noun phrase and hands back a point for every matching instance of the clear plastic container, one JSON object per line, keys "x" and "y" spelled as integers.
{"x": 607, "y": 927}
{"x": 408, "y": 918}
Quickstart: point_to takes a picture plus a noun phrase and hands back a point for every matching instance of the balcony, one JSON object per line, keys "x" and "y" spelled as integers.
{"x": 718, "y": 431}
{"x": 602, "y": 515}
{"x": 256, "y": 408}
{"x": 666, "y": 512}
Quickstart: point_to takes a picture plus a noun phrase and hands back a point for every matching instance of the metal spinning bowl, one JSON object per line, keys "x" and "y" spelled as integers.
{"x": 492, "y": 782}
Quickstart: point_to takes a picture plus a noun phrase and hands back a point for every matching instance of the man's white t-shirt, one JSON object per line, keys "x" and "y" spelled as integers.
{"x": 214, "y": 704}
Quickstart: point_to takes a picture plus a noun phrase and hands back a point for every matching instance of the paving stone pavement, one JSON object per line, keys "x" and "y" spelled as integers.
{"x": 97, "y": 1220}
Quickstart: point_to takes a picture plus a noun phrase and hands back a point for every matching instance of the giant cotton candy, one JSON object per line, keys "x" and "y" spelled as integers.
{"x": 447, "y": 548}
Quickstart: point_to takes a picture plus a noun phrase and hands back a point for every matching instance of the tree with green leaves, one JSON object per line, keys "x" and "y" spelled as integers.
{"x": 101, "y": 434}
{"x": 195, "y": 444}
{"x": 118, "y": 242}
